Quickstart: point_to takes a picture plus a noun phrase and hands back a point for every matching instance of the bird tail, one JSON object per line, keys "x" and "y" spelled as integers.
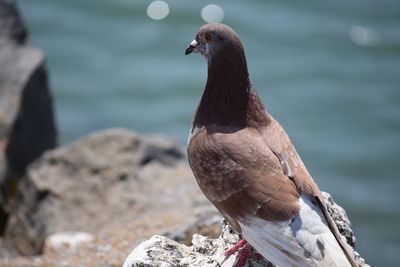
{"x": 268, "y": 239}
{"x": 306, "y": 240}
{"x": 335, "y": 231}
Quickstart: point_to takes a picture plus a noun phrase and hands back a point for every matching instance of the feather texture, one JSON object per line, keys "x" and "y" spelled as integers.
{"x": 246, "y": 165}
{"x": 305, "y": 240}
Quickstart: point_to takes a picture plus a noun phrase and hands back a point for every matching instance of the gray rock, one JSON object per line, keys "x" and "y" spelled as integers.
{"x": 343, "y": 224}
{"x": 339, "y": 216}
{"x": 105, "y": 178}
{"x": 204, "y": 251}
{"x": 207, "y": 223}
{"x": 6, "y": 251}
{"x": 27, "y": 127}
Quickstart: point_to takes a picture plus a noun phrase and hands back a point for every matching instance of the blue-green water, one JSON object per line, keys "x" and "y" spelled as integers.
{"x": 329, "y": 71}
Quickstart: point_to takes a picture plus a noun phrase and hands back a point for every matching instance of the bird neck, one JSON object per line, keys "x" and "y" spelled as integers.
{"x": 229, "y": 98}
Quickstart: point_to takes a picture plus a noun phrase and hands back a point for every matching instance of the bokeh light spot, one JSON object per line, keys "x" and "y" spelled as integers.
{"x": 364, "y": 36}
{"x": 158, "y": 10}
{"x": 212, "y": 13}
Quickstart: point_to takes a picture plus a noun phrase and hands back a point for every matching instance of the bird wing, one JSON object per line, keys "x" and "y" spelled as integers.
{"x": 293, "y": 167}
{"x": 240, "y": 175}
{"x": 259, "y": 188}
{"x": 278, "y": 141}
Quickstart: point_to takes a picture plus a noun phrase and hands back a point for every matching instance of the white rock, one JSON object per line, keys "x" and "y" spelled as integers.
{"x": 67, "y": 240}
{"x": 161, "y": 251}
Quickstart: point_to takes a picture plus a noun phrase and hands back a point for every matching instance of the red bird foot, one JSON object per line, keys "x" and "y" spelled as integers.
{"x": 245, "y": 251}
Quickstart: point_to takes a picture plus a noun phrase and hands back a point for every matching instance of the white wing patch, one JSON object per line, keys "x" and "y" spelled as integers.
{"x": 305, "y": 240}
{"x": 194, "y": 131}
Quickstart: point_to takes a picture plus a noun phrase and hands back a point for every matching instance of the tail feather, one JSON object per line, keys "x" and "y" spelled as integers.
{"x": 277, "y": 248}
{"x": 305, "y": 240}
{"x": 339, "y": 238}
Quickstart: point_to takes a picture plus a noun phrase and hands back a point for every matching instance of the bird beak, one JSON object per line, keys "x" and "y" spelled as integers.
{"x": 192, "y": 47}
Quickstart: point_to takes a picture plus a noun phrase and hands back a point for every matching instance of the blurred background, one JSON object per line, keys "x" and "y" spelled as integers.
{"x": 329, "y": 71}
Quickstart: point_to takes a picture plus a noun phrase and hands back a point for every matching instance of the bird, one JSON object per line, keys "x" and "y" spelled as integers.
{"x": 246, "y": 165}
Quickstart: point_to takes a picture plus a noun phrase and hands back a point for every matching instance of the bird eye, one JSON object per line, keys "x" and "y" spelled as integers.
{"x": 207, "y": 37}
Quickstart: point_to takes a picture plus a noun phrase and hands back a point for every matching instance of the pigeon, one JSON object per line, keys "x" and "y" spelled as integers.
{"x": 246, "y": 165}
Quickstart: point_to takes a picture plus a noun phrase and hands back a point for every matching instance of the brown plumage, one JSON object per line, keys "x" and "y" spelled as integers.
{"x": 245, "y": 163}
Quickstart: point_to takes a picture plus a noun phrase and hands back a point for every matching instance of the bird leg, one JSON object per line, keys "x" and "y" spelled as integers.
{"x": 244, "y": 250}
{"x": 235, "y": 248}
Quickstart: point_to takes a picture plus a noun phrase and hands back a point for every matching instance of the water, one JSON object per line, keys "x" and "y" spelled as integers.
{"x": 329, "y": 71}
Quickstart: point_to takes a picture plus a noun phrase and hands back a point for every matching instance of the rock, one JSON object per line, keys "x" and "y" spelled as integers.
{"x": 339, "y": 216}
{"x": 67, "y": 240}
{"x": 111, "y": 245}
{"x": 343, "y": 224}
{"x": 108, "y": 178}
{"x": 27, "y": 127}
{"x": 207, "y": 223}
{"x": 6, "y": 251}
{"x": 204, "y": 251}
{"x": 122, "y": 187}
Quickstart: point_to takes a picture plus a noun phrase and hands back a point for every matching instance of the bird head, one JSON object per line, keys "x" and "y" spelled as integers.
{"x": 214, "y": 39}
